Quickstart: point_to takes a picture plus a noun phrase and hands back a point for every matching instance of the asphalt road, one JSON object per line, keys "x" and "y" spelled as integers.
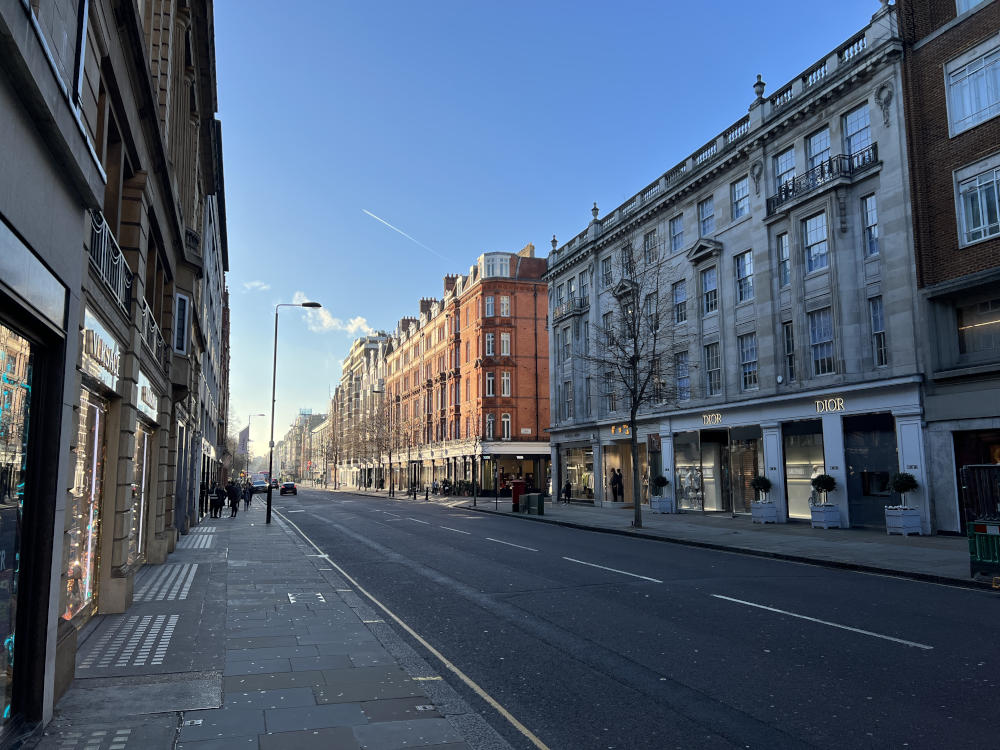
{"x": 601, "y": 641}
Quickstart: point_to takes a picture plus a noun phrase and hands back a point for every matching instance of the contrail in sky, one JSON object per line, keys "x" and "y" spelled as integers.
{"x": 411, "y": 239}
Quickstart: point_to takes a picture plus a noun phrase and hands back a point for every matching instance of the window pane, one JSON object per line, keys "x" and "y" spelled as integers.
{"x": 815, "y": 242}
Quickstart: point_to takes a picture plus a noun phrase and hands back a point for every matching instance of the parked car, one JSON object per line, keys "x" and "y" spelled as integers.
{"x": 288, "y": 488}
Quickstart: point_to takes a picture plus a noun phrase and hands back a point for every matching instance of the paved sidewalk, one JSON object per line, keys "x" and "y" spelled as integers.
{"x": 942, "y": 559}
{"x": 248, "y": 638}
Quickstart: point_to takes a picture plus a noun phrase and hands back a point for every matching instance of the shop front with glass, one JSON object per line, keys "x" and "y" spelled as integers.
{"x": 617, "y": 457}
{"x": 577, "y": 466}
{"x": 860, "y": 436}
{"x": 713, "y": 468}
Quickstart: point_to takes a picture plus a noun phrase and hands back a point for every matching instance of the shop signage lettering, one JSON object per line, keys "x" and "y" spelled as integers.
{"x": 713, "y": 418}
{"x": 525, "y": 430}
{"x": 829, "y": 404}
{"x": 620, "y": 429}
{"x": 148, "y": 397}
{"x": 101, "y": 356}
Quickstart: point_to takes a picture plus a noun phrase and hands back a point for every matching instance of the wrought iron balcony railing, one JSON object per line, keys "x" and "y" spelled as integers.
{"x": 108, "y": 260}
{"x": 573, "y": 305}
{"x": 842, "y": 165}
{"x": 152, "y": 338}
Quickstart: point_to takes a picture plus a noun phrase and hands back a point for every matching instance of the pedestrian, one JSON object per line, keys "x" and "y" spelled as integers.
{"x": 567, "y": 491}
{"x": 247, "y": 495}
{"x": 621, "y": 486}
{"x": 233, "y": 492}
{"x": 218, "y": 499}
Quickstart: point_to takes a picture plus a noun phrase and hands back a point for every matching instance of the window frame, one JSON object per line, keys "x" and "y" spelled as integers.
{"x": 822, "y": 156}
{"x": 749, "y": 374}
{"x": 606, "y": 272}
{"x": 788, "y": 340}
{"x": 869, "y": 225}
{"x": 682, "y": 375}
{"x": 677, "y": 237}
{"x": 783, "y": 245}
{"x": 490, "y": 385}
{"x": 986, "y": 49}
{"x": 706, "y": 216}
{"x": 822, "y": 349}
{"x": 489, "y": 346}
{"x": 504, "y": 344}
{"x": 743, "y": 271}
{"x": 491, "y": 308}
{"x": 876, "y": 319}
{"x": 965, "y": 176}
{"x": 650, "y": 247}
{"x": 680, "y": 306}
{"x": 713, "y": 375}
{"x": 505, "y": 304}
{"x": 505, "y": 426}
{"x": 807, "y": 246}
{"x": 782, "y": 178}
{"x": 505, "y": 384}
{"x": 709, "y": 296}
{"x": 739, "y": 197}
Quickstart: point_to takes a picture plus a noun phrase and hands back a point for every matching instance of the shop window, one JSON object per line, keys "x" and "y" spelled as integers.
{"x": 578, "y": 469}
{"x": 979, "y": 330}
{"x": 804, "y": 459}
{"x": 82, "y": 533}
{"x": 16, "y": 374}
{"x": 870, "y": 454}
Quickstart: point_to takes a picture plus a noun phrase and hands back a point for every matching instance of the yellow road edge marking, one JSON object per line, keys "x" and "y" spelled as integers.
{"x": 437, "y": 654}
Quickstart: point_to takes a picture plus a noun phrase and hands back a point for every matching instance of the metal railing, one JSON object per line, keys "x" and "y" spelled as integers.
{"x": 152, "y": 338}
{"x": 576, "y": 304}
{"x": 108, "y": 260}
{"x": 842, "y": 165}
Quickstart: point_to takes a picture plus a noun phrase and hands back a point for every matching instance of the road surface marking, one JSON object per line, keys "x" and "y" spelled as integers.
{"x": 510, "y": 544}
{"x": 391, "y": 514}
{"x": 458, "y": 530}
{"x": 426, "y": 679}
{"x": 418, "y": 520}
{"x": 294, "y": 511}
{"x": 614, "y": 570}
{"x": 825, "y": 622}
{"x": 437, "y": 654}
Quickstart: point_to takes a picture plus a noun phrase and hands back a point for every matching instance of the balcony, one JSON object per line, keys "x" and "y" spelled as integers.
{"x": 840, "y": 166}
{"x": 152, "y": 338}
{"x": 573, "y": 306}
{"x": 109, "y": 261}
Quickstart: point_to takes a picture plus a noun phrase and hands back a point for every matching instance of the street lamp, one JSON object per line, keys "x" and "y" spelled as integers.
{"x": 274, "y": 373}
{"x": 249, "y": 418}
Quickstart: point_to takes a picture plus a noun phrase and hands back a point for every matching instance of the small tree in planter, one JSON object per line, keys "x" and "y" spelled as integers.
{"x": 762, "y": 510}
{"x": 659, "y": 482}
{"x": 902, "y": 519}
{"x": 762, "y": 486}
{"x": 823, "y": 483}
{"x": 824, "y": 515}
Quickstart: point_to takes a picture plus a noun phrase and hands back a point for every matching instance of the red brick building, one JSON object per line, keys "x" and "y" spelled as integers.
{"x": 951, "y": 78}
{"x": 467, "y": 380}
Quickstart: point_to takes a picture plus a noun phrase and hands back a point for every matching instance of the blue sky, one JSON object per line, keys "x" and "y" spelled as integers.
{"x": 471, "y": 126}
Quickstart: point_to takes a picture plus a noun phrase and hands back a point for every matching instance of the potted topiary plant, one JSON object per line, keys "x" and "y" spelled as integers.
{"x": 657, "y": 501}
{"x": 824, "y": 513}
{"x": 763, "y": 509}
{"x": 902, "y": 519}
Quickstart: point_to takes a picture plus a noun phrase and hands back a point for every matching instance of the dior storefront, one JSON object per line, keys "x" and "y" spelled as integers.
{"x": 860, "y": 436}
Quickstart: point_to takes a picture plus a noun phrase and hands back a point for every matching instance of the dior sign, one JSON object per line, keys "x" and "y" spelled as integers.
{"x": 823, "y": 406}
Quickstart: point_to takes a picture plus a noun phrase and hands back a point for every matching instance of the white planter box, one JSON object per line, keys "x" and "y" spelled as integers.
{"x": 825, "y": 516}
{"x": 903, "y": 521}
{"x": 764, "y": 512}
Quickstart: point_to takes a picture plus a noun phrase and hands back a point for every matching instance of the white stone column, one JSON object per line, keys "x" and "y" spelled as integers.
{"x": 833, "y": 456}
{"x": 599, "y": 479}
{"x": 774, "y": 468}
{"x": 669, "y": 503}
{"x": 912, "y": 460}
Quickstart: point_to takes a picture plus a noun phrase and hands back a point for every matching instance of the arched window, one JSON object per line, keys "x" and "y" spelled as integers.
{"x": 505, "y": 426}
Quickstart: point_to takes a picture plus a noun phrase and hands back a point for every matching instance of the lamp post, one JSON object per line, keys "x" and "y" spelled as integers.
{"x": 249, "y": 418}
{"x": 274, "y": 373}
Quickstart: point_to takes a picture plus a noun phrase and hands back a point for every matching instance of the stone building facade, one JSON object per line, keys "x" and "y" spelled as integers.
{"x": 784, "y": 253}
{"x": 951, "y": 71}
{"x": 112, "y": 262}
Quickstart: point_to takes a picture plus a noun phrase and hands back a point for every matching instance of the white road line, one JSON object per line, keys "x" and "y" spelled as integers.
{"x": 510, "y": 544}
{"x": 294, "y": 511}
{"x": 458, "y": 530}
{"x": 527, "y": 733}
{"x": 825, "y": 622}
{"x": 391, "y": 514}
{"x": 614, "y": 570}
{"x": 418, "y": 520}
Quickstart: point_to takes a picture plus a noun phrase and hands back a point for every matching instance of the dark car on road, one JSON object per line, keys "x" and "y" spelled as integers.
{"x": 259, "y": 485}
{"x": 288, "y": 488}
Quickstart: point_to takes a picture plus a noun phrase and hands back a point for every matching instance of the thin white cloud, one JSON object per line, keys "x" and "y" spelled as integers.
{"x": 400, "y": 231}
{"x": 320, "y": 320}
{"x": 255, "y": 286}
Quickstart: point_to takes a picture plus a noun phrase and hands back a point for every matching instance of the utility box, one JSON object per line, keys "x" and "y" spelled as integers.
{"x": 534, "y": 503}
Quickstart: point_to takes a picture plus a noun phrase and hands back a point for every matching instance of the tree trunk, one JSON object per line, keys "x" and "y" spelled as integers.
{"x": 636, "y": 493}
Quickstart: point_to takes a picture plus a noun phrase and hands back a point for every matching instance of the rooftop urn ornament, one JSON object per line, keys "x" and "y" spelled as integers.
{"x": 554, "y": 243}
{"x": 758, "y": 87}
{"x": 595, "y": 211}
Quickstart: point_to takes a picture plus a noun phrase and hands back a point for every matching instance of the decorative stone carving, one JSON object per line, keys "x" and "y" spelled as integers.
{"x": 756, "y": 170}
{"x": 883, "y": 98}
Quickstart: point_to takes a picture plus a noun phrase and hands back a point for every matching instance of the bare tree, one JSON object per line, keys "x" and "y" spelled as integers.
{"x": 633, "y": 354}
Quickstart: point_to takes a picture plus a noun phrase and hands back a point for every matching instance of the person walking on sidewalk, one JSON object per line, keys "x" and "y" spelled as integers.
{"x": 247, "y": 495}
{"x": 218, "y": 499}
{"x": 234, "y": 498}
{"x": 567, "y": 492}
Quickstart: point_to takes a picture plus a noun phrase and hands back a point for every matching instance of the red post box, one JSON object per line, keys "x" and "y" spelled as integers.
{"x": 517, "y": 488}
